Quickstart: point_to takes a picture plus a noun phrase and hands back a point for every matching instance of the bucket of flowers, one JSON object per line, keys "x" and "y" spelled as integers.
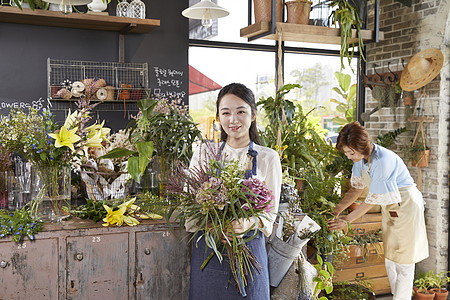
{"x": 214, "y": 195}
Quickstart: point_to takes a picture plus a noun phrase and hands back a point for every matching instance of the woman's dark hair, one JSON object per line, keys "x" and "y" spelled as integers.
{"x": 356, "y": 137}
{"x": 247, "y": 95}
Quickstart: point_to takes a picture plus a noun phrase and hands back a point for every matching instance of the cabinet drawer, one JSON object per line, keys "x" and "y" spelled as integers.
{"x": 31, "y": 270}
{"x": 162, "y": 266}
{"x": 97, "y": 267}
{"x": 374, "y": 256}
{"x": 360, "y": 272}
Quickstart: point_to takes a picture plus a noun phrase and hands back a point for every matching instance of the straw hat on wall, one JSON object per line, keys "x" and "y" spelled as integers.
{"x": 422, "y": 68}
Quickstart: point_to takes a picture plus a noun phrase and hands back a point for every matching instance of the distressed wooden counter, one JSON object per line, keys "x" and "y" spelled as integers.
{"x": 78, "y": 259}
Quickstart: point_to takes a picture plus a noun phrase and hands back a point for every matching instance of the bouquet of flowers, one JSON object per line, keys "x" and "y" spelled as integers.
{"x": 214, "y": 195}
{"x": 51, "y": 148}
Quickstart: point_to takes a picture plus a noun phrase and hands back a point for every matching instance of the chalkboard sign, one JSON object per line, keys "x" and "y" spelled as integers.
{"x": 169, "y": 83}
{"x": 26, "y": 48}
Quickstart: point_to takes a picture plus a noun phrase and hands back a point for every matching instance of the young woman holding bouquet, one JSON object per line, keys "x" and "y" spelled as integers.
{"x": 236, "y": 111}
{"x": 402, "y": 206}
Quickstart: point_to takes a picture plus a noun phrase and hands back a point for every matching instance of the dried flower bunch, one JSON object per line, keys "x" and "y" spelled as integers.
{"x": 213, "y": 196}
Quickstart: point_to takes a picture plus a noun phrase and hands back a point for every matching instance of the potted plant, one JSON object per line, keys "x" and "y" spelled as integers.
{"x": 263, "y": 10}
{"x": 298, "y": 11}
{"x": 418, "y": 154}
{"x": 439, "y": 281}
{"x": 348, "y": 16}
{"x": 423, "y": 285}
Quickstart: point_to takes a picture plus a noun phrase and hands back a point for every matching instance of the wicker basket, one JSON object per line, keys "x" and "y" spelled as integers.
{"x": 263, "y": 10}
{"x": 106, "y": 185}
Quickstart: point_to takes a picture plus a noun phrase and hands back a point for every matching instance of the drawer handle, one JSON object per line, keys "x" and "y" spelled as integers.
{"x": 359, "y": 260}
{"x": 79, "y": 256}
{"x": 359, "y": 275}
{"x": 147, "y": 251}
{"x": 373, "y": 251}
{"x": 3, "y": 264}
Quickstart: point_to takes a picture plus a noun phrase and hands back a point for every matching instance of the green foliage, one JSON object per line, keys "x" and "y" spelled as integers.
{"x": 162, "y": 128}
{"x": 324, "y": 278}
{"x": 93, "y": 210}
{"x": 301, "y": 135}
{"x": 388, "y": 139}
{"x": 150, "y": 203}
{"x": 347, "y": 106}
{"x": 18, "y": 224}
{"x": 33, "y": 3}
{"x": 430, "y": 279}
{"x": 413, "y": 152}
{"x": 361, "y": 290}
{"x": 364, "y": 241}
{"x": 348, "y": 17}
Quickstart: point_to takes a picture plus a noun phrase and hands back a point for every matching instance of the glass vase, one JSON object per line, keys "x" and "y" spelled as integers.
{"x": 122, "y": 9}
{"x": 137, "y": 9}
{"x": 53, "y": 189}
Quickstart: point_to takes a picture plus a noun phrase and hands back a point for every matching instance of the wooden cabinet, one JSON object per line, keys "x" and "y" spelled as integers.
{"x": 32, "y": 264}
{"x": 78, "y": 259}
{"x": 369, "y": 266}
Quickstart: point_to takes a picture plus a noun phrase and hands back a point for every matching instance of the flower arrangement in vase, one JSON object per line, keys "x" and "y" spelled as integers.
{"x": 51, "y": 149}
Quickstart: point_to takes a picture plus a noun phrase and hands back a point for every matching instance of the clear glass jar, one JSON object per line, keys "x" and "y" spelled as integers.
{"x": 123, "y": 9}
{"x": 137, "y": 9}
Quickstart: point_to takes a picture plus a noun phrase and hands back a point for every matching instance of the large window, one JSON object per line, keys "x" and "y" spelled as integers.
{"x": 219, "y": 54}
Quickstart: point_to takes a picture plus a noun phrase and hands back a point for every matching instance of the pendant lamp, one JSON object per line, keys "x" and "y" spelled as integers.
{"x": 206, "y": 11}
{"x": 65, "y": 6}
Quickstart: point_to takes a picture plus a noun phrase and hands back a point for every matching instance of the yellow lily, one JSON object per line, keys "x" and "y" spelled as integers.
{"x": 130, "y": 220}
{"x": 94, "y": 141}
{"x": 65, "y": 137}
{"x": 95, "y": 129}
{"x": 114, "y": 217}
{"x": 71, "y": 118}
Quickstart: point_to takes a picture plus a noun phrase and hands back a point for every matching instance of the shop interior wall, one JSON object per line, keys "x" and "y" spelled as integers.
{"x": 409, "y": 30}
{"x": 25, "y": 49}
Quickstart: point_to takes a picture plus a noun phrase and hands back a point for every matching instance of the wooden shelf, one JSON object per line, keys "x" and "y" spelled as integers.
{"x": 76, "y": 20}
{"x": 305, "y": 33}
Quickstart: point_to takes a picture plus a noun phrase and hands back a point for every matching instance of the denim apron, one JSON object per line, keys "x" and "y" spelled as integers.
{"x": 216, "y": 281}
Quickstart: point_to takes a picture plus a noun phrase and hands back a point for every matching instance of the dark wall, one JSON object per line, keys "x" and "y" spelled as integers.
{"x": 24, "y": 50}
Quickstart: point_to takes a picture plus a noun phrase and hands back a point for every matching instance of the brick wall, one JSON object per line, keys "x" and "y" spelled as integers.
{"x": 409, "y": 30}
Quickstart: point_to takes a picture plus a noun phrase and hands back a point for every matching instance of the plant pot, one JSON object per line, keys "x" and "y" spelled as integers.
{"x": 301, "y": 184}
{"x": 408, "y": 100}
{"x": 442, "y": 295}
{"x": 422, "y": 159}
{"x": 98, "y": 5}
{"x": 52, "y": 193}
{"x": 298, "y": 12}
{"x": 280, "y": 257}
{"x": 420, "y": 295}
{"x": 263, "y": 10}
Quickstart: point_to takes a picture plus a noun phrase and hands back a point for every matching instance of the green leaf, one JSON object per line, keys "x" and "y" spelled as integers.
{"x": 338, "y": 91}
{"x": 145, "y": 150}
{"x": 133, "y": 168}
{"x": 118, "y": 152}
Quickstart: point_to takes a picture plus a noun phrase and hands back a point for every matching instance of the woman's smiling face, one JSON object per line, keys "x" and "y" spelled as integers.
{"x": 235, "y": 116}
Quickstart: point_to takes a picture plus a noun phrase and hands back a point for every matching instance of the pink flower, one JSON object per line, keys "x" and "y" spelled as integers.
{"x": 259, "y": 196}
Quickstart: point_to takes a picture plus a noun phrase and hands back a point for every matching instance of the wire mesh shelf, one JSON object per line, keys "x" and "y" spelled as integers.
{"x": 104, "y": 81}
